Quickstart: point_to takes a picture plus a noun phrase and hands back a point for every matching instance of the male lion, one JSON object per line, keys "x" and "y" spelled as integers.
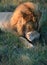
{"x": 23, "y": 15}
{"x": 24, "y": 19}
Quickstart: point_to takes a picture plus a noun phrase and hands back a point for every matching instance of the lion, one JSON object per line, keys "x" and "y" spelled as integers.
{"x": 24, "y": 19}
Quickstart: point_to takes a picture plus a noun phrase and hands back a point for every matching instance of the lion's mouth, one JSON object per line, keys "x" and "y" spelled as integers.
{"x": 33, "y": 36}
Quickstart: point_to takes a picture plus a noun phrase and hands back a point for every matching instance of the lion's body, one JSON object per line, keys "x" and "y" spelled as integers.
{"x": 24, "y": 18}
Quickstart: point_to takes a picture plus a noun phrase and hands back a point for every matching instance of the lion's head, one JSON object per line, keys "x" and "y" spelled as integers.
{"x": 25, "y": 18}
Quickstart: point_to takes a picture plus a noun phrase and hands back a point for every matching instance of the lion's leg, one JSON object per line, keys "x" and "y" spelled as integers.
{"x": 26, "y": 43}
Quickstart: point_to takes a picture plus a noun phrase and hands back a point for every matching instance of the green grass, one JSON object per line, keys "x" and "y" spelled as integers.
{"x": 12, "y": 52}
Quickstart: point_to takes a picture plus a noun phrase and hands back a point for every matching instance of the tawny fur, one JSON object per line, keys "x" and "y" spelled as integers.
{"x": 23, "y": 14}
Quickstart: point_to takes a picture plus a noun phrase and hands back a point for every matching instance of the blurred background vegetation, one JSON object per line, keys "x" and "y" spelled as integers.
{"x": 12, "y": 51}
{"x": 10, "y": 5}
